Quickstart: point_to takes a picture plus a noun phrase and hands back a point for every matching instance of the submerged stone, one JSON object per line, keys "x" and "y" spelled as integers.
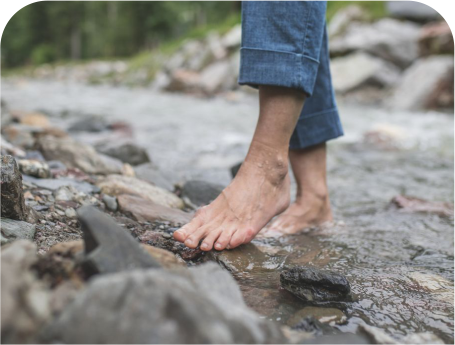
{"x": 314, "y": 285}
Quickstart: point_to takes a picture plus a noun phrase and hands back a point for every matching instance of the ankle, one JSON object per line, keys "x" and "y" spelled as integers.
{"x": 315, "y": 196}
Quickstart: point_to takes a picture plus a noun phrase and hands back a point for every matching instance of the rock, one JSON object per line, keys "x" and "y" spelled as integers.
{"x": 342, "y": 338}
{"x": 127, "y": 152}
{"x": 426, "y": 84}
{"x": 162, "y": 307}
{"x": 200, "y": 192}
{"x": 384, "y": 137}
{"x": 67, "y": 249}
{"x": 16, "y": 229}
{"x": 108, "y": 247}
{"x": 9, "y": 149}
{"x": 411, "y": 204}
{"x": 342, "y": 18}
{"x": 146, "y": 210}
{"x": 110, "y": 202}
{"x": 359, "y": 69}
{"x": 232, "y": 39}
{"x": 54, "y": 184}
{"x": 25, "y": 301}
{"x": 116, "y": 185}
{"x": 166, "y": 258}
{"x": 436, "y": 38}
{"x": 378, "y": 336}
{"x": 389, "y": 39}
{"x": 183, "y": 80}
{"x": 35, "y": 120}
{"x": 20, "y": 135}
{"x": 156, "y": 239}
{"x": 89, "y": 124}
{"x": 70, "y": 212}
{"x": 150, "y": 173}
{"x": 412, "y": 10}
{"x": 216, "y": 47}
{"x": 12, "y": 197}
{"x": 77, "y": 155}
{"x": 312, "y": 325}
{"x": 65, "y": 193}
{"x": 311, "y": 284}
{"x": 34, "y": 168}
{"x": 215, "y": 77}
{"x": 330, "y": 316}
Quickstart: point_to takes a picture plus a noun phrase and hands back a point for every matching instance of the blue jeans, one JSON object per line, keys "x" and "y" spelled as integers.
{"x": 284, "y": 43}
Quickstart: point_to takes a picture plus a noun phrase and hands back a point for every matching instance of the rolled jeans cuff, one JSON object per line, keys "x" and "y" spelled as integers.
{"x": 269, "y": 67}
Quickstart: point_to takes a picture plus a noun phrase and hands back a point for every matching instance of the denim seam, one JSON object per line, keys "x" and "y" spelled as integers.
{"x": 319, "y": 113}
{"x": 281, "y": 52}
{"x": 308, "y": 23}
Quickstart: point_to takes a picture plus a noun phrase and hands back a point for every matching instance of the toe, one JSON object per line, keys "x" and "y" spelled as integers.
{"x": 185, "y": 231}
{"x": 225, "y": 236}
{"x": 207, "y": 244}
{"x": 192, "y": 241}
{"x": 241, "y": 236}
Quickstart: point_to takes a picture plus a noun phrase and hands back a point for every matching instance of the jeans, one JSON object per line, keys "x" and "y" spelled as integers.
{"x": 285, "y": 43}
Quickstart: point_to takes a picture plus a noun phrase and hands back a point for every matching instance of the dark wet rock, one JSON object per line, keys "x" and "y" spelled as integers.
{"x": 110, "y": 202}
{"x": 146, "y": 210}
{"x": 15, "y": 229}
{"x": 412, "y": 10}
{"x": 311, "y": 284}
{"x": 13, "y": 203}
{"x": 342, "y": 338}
{"x": 411, "y": 204}
{"x": 436, "y": 38}
{"x": 54, "y": 184}
{"x": 200, "y": 192}
{"x": 78, "y": 155}
{"x": 162, "y": 307}
{"x": 235, "y": 169}
{"x": 25, "y": 300}
{"x": 150, "y": 173}
{"x": 127, "y": 152}
{"x": 117, "y": 184}
{"x": 428, "y": 83}
{"x": 34, "y": 168}
{"x": 89, "y": 124}
{"x": 108, "y": 247}
{"x": 156, "y": 239}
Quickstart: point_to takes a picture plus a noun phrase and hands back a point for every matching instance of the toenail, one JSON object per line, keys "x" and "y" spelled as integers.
{"x": 218, "y": 245}
{"x": 204, "y": 246}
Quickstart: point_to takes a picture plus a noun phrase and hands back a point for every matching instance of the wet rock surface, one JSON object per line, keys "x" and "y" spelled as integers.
{"x": 311, "y": 284}
{"x": 127, "y": 152}
{"x": 13, "y": 204}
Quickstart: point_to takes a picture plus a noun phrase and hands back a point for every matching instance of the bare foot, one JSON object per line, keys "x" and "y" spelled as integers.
{"x": 312, "y": 205}
{"x": 259, "y": 192}
{"x": 306, "y": 212}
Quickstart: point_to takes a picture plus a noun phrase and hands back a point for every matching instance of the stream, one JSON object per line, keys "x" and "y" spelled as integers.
{"x": 399, "y": 264}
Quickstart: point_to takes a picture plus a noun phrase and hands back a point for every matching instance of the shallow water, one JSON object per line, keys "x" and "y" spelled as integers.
{"x": 400, "y": 265}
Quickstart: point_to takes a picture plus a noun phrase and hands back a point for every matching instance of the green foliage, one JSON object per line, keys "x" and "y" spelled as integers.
{"x": 44, "y": 53}
{"x": 375, "y": 9}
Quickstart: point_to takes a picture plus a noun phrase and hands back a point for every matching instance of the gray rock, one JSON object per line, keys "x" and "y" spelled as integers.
{"x": 89, "y": 124}
{"x": 110, "y": 202}
{"x": 34, "y": 168}
{"x": 25, "y": 301}
{"x": 65, "y": 193}
{"x": 359, "y": 69}
{"x": 214, "y": 77}
{"x": 200, "y": 305}
{"x": 387, "y": 38}
{"x": 150, "y": 173}
{"x": 423, "y": 83}
{"x": 233, "y": 38}
{"x": 54, "y": 184}
{"x": 108, "y": 247}
{"x": 70, "y": 212}
{"x": 127, "y": 152}
{"x": 378, "y": 336}
{"x": 78, "y": 155}
{"x": 16, "y": 229}
{"x": 12, "y": 197}
{"x": 413, "y": 10}
{"x": 201, "y": 192}
{"x": 311, "y": 284}
{"x": 342, "y": 18}
{"x": 235, "y": 169}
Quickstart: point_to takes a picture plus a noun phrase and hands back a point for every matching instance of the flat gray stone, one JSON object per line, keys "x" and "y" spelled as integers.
{"x": 54, "y": 184}
{"x": 108, "y": 247}
{"x": 15, "y": 229}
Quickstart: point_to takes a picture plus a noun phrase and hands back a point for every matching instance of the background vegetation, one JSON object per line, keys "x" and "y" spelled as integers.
{"x": 50, "y": 31}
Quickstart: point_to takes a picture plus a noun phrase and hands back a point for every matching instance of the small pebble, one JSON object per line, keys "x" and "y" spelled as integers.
{"x": 70, "y": 213}
{"x": 167, "y": 235}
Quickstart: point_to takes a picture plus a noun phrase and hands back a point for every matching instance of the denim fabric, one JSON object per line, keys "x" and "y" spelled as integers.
{"x": 284, "y": 43}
